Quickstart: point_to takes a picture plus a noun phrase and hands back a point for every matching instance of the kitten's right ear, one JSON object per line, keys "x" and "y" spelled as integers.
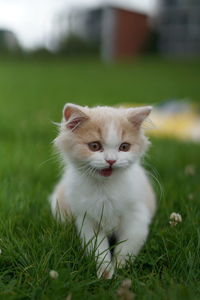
{"x": 73, "y": 116}
{"x": 138, "y": 114}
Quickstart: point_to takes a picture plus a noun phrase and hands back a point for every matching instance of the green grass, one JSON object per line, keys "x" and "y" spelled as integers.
{"x": 32, "y": 93}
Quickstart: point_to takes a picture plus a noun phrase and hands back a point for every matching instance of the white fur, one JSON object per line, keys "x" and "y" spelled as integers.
{"x": 123, "y": 203}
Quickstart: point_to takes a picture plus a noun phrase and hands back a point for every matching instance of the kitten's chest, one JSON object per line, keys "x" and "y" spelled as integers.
{"x": 103, "y": 204}
{"x": 105, "y": 209}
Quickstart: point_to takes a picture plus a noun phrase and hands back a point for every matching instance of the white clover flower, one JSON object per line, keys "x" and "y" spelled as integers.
{"x": 190, "y": 196}
{"x": 124, "y": 292}
{"x": 190, "y": 170}
{"x": 174, "y": 219}
{"x": 53, "y": 274}
{"x": 126, "y": 283}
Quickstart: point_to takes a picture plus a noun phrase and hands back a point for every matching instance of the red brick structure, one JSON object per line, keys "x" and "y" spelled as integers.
{"x": 131, "y": 33}
{"x": 121, "y": 33}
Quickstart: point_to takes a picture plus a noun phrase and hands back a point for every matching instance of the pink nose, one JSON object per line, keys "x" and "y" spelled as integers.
{"x": 111, "y": 162}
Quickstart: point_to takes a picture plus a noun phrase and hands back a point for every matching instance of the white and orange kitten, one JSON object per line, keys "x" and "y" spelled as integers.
{"x": 104, "y": 186}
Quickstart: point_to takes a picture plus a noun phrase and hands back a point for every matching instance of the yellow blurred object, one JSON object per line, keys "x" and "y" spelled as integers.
{"x": 183, "y": 126}
{"x": 174, "y": 120}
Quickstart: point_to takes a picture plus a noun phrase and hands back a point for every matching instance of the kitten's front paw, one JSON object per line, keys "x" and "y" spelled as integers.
{"x": 105, "y": 271}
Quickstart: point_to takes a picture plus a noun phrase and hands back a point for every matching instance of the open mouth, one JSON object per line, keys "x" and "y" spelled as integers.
{"x": 106, "y": 172}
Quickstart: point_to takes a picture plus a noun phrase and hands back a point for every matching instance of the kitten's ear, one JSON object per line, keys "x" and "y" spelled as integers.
{"x": 138, "y": 115}
{"x": 73, "y": 116}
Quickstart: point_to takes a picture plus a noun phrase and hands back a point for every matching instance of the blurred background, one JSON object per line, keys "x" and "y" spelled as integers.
{"x": 112, "y": 29}
{"x": 93, "y": 52}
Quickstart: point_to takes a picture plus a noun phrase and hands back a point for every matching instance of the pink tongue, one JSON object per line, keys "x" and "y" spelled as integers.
{"x": 106, "y": 172}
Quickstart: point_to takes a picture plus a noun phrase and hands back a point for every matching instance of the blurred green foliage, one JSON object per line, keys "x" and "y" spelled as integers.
{"x": 74, "y": 45}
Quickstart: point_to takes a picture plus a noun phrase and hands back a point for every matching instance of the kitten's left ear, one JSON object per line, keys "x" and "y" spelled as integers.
{"x": 73, "y": 115}
{"x": 138, "y": 115}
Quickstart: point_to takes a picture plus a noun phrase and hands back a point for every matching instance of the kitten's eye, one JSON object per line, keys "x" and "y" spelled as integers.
{"x": 124, "y": 147}
{"x": 95, "y": 146}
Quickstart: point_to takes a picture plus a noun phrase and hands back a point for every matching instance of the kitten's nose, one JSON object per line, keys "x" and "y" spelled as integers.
{"x": 111, "y": 162}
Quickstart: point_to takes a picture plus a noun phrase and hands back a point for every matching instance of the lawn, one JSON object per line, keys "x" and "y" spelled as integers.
{"x": 32, "y": 94}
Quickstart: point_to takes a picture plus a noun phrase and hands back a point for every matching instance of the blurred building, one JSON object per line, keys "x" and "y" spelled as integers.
{"x": 8, "y": 41}
{"x": 179, "y": 27}
{"x": 121, "y": 33}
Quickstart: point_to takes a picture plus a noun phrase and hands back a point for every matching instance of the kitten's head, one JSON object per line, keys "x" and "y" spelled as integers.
{"x": 101, "y": 141}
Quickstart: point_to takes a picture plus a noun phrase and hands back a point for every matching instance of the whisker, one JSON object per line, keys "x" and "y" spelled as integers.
{"x": 53, "y": 158}
{"x": 154, "y": 174}
{"x": 86, "y": 171}
{"x": 56, "y": 123}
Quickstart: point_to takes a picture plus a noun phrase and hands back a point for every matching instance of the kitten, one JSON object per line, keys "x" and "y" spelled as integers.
{"x": 104, "y": 187}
